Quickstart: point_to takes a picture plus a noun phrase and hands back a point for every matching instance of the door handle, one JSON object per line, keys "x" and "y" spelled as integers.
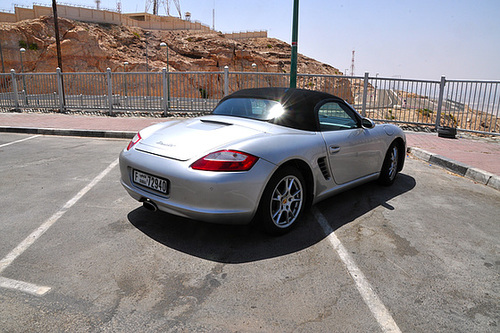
{"x": 334, "y": 149}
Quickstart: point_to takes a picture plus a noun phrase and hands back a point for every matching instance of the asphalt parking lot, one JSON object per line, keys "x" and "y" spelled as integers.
{"x": 78, "y": 254}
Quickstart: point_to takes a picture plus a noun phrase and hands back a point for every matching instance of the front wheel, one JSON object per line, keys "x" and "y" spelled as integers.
{"x": 390, "y": 167}
{"x": 283, "y": 201}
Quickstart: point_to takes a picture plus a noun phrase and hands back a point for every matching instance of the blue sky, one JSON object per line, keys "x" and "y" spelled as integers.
{"x": 421, "y": 39}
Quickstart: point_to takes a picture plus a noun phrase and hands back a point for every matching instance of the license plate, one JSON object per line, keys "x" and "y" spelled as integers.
{"x": 152, "y": 182}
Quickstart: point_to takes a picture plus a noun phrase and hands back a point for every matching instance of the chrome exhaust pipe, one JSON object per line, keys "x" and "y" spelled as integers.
{"x": 149, "y": 205}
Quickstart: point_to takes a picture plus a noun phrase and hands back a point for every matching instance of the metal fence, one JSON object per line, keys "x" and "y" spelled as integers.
{"x": 465, "y": 105}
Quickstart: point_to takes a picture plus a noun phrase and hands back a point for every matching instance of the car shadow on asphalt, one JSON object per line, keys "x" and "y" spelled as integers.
{"x": 247, "y": 243}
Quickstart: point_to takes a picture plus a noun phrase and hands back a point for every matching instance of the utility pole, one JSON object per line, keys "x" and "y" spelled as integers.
{"x": 213, "y": 17}
{"x": 1, "y": 55}
{"x": 352, "y": 63}
{"x": 58, "y": 41}
{"x": 295, "y": 30}
{"x": 58, "y": 45}
{"x": 155, "y": 6}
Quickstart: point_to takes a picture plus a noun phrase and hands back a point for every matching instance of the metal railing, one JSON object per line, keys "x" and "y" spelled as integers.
{"x": 465, "y": 105}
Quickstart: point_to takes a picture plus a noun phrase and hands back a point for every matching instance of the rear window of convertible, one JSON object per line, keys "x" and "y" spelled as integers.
{"x": 254, "y": 108}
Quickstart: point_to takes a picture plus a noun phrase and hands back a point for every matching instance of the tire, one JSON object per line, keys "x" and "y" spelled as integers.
{"x": 283, "y": 201}
{"x": 390, "y": 167}
{"x": 447, "y": 132}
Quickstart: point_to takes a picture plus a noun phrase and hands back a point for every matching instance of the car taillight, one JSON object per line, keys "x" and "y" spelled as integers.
{"x": 134, "y": 140}
{"x": 225, "y": 160}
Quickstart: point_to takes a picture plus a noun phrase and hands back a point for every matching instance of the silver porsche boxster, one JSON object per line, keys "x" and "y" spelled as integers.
{"x": 262, "y": 154}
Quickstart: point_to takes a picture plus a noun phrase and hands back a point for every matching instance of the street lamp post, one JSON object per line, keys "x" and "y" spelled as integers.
{"x": 147, "y": 64}
{"x": 164, "y": 45}
{"x": 21, "y": 51}
{"x": 295, "y": 30}
{"x": 256, "y": 69}
{"x": 125, "y": 64}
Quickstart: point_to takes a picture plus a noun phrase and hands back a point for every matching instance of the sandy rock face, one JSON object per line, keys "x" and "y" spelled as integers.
{"x": 88, "y": 47}
{"x": 95, "y": 47}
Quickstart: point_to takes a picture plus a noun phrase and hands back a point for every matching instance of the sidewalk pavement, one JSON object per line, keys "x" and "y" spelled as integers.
{"x": 473, "y": 157}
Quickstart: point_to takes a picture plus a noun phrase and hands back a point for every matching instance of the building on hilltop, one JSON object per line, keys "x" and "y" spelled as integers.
{"x": 141, "y": 20}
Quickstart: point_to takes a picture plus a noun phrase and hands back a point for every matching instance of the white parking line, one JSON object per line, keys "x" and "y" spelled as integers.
{"x": 28, "y": 241}
{"x": 371, "y": 299}
{"x": 23, "y": 286}
{"x": 18, "y": 141}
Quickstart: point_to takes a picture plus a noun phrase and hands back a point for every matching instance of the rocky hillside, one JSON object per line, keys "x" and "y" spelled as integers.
{"x": 94, "y": 47}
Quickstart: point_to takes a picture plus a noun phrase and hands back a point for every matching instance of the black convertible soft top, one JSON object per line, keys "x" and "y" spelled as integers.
{"x": 299, "y": 104}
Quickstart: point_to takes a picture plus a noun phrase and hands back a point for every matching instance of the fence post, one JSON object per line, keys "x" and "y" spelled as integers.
{"x": 14, "y": 89}
{"x": 60, "y": 89}
{"x": 165, "y": 92}
{"x": 110, "y": 91}
{"x": 365, "y": 94}
{"x": 226, "y": 80}
{"x": 440, "y": 101}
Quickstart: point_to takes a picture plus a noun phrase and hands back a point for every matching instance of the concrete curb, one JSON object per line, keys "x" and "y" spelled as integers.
{"x": 475, "y": 174}
{"x": 69, "y": 132}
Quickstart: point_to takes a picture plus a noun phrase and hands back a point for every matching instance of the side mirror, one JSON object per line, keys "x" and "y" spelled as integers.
{"x": 367, "y": 123}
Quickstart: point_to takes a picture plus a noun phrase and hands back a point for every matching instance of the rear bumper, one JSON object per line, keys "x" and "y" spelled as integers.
{"x": 216, "y": 197}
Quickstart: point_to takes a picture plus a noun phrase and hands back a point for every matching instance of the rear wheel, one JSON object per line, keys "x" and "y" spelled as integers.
{"x": 390, "y": 167}
{"x": 283, "y": 201}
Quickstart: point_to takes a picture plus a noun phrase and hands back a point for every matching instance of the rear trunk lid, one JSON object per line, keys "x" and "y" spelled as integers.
{"x": 190, "y": 138}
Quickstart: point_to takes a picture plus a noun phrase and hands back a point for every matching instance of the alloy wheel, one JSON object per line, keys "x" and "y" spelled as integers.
{"x": 286, "y": 201}
{"x": 393, "y": 167}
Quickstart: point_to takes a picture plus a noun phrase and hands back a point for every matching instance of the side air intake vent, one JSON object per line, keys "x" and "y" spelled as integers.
{"x": 324, "y": 167}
